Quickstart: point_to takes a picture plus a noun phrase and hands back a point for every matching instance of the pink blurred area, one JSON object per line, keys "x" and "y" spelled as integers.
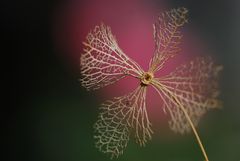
{"x": 131, "y": 22}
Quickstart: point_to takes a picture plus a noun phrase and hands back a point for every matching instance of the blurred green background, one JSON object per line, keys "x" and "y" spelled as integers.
{"x": 52, "y": 116}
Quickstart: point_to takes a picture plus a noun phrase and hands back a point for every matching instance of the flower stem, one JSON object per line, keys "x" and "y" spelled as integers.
{"x": 160, "y": 86}
{"x": 194, "y": 130}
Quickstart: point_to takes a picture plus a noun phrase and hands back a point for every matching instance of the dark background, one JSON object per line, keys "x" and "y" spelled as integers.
{"x": 49, "y": 116}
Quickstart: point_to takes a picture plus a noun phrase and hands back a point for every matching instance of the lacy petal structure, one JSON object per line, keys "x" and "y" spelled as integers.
{"x": 187, "y": 93}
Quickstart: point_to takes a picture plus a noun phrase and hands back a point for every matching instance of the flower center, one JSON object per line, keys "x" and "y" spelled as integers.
{"x": 146, "y": 78}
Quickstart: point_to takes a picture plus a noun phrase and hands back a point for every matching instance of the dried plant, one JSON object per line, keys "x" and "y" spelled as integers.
{"x": 187, "y": 93}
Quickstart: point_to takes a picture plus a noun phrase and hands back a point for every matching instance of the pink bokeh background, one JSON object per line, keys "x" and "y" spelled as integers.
{"x": 131, "y": 22}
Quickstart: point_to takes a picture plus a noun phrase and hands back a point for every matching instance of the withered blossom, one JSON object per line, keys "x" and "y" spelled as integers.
{"x": 187, "y": 93}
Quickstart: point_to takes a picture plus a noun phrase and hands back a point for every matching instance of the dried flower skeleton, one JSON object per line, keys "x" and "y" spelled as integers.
{"x": 187, "y": 93}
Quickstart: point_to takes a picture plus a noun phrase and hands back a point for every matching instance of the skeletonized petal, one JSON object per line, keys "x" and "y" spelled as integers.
{"x": 195, "y": 86}
{"x": 103, "y": 62}
{"x": 118, "y": 118}
{"x": 167, "y": 36}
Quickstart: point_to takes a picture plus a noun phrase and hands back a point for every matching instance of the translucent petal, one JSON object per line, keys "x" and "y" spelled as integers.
{"x": 103, "y": 62}
{"x": 195, "y": 87}
{"x": 118, "y": 118}
{"x": 167, "y": 36}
